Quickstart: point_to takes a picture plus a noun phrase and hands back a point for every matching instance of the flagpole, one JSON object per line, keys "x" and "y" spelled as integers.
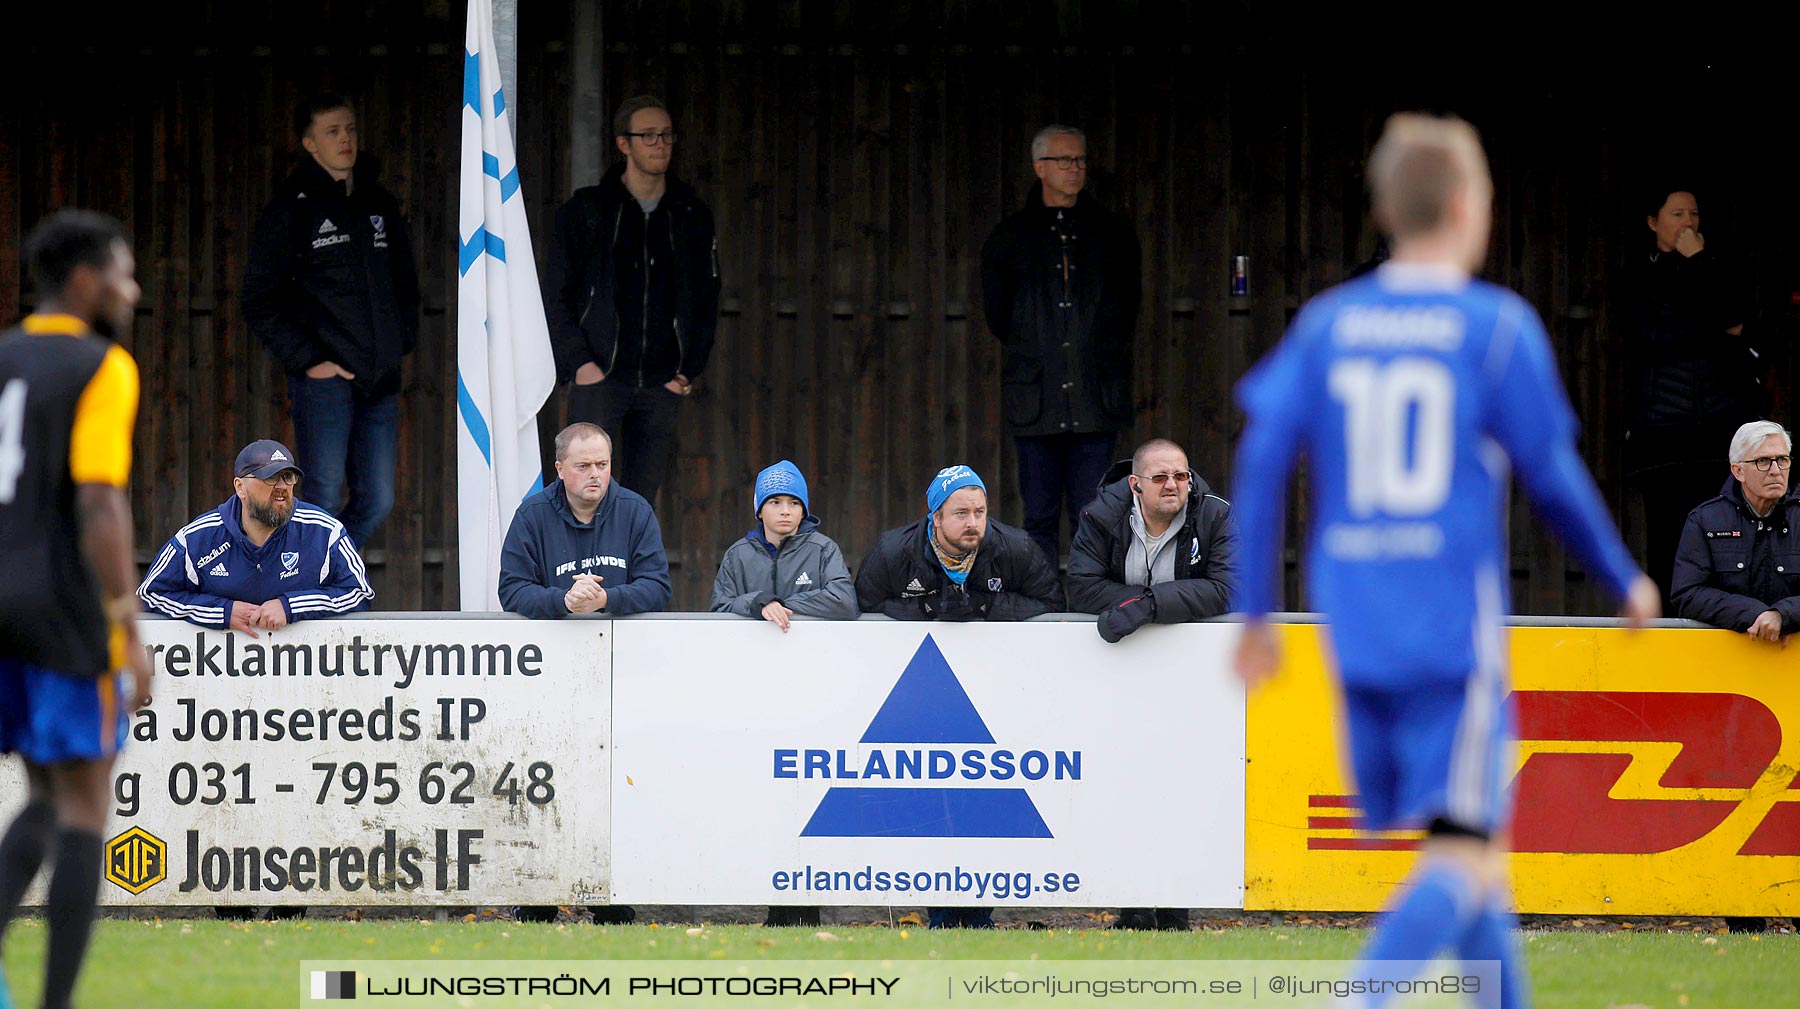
{"x": 506, "y": 52}
{"x": 505, "y": 370}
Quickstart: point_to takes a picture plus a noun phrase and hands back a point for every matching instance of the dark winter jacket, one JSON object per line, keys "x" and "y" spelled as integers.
{"x": 1066, "y": 334}
{"x": 546, "y": 548}
{"x": 1205, "y": 555}
{"x": 636, "y": 294}
{"x": 330, "y": 277}
{"x": 806, "y": 574}
{"x": 1686, "y": 371}
{"x": 1010, "y": 580}
{"x": 1731, "y": 566}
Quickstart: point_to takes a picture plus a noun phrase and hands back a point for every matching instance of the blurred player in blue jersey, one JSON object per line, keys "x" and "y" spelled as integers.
{"x": 1415, "y": 392}
{"x": 68, "y": 617}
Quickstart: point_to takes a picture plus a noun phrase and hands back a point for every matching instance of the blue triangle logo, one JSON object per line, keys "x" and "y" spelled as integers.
{"x": 927, "y": 705}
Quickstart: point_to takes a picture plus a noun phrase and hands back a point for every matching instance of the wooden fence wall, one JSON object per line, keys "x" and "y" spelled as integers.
{"x": 856, "y": 155}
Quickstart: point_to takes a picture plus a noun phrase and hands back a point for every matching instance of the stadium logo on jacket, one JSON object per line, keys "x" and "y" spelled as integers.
{"x": 926, "y": 709}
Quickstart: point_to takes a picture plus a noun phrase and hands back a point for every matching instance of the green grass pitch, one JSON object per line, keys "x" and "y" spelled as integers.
{"x": 137, "y": 964}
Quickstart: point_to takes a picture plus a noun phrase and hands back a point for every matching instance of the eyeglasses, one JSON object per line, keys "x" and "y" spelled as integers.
{"x": 285, "y": 478}
{"x": 1763, "y": 463}
{"x": 1069, "y": 164}
{"x": 654, "y": 139}
{"x": 1159, "y": 479}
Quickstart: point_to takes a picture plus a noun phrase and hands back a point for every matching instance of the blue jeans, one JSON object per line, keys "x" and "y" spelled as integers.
{"x": 1059, "y": 468}
{"x": 346, "y": 442}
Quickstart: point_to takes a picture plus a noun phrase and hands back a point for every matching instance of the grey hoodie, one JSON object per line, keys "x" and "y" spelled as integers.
{"x": 807, "y": 574}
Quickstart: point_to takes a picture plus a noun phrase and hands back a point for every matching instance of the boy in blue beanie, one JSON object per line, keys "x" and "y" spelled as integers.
{"x": 782, "y": 567}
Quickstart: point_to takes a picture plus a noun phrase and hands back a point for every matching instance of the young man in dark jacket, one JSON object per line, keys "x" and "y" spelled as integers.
{"x": 1156, "y": 546}
{"x": 584, "y": 544}
{"x": 956, "y": 564}
{"x": 331, "y": 290}
{"x": 1061, "y": 287}
{"x": 632, "y": 295}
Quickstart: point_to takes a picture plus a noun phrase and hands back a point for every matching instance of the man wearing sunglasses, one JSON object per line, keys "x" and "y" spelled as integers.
{"x": 1738, "y": 565}
{"x": 1157, "y": 546}
{"x": 261, "y": 560}
{"x": 632, "y": 296}
{"x": 1061, "y": 289}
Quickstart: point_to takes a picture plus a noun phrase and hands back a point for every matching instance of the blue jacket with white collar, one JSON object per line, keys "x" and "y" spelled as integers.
{"x": 310, "y": 564}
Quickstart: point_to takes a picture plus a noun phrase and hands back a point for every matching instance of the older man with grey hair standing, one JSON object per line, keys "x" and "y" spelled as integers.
{"x": 1736, "y": 565}
{"x": 1061, "y": 289}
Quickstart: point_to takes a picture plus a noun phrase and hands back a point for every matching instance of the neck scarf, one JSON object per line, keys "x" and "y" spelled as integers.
{"x": 957, "y": 568}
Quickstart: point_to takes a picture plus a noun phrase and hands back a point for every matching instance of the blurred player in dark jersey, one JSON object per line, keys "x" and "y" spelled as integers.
{"x": 1415, "y": 393}
{"x": 71, "y": 667}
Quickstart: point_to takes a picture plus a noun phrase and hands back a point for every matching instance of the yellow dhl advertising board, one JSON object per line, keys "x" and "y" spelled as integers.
{"x": 1656, "y": 775}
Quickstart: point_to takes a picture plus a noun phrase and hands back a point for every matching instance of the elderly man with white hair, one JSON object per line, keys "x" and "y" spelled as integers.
{"x": 1738, "y": 565}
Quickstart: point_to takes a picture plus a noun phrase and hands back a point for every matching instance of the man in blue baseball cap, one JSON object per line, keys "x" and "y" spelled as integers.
{"x": 260, "y": 560}
{"x": 957, "y": 564}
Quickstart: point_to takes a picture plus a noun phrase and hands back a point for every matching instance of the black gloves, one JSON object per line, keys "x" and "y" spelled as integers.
{"x": 1128, "y": 616}
{"x": 958, "y": 602}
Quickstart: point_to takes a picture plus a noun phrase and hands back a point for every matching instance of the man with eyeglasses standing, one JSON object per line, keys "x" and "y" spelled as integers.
{"x": 1061, "y": 290}
{"x": 632, "y": 296}
{"x": 1735, "y": 566}
{"x": 261, "y": 560}
{"x": 1156, "y": 546}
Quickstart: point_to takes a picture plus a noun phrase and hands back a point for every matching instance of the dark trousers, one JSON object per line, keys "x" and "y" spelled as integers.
{"x": 1057, "y": 470}
{"x": 1675, "y": 471}
{"x": 641, "y": 421}
{"x": 348, "y": 444}
{"x": 959, "y": 917}
{"x": 1168, "y": 919}
{"x": 1673, "y": 492}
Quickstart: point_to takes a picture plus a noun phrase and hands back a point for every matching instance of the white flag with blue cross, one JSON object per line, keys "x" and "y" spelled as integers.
{"x": 504, "y": 367}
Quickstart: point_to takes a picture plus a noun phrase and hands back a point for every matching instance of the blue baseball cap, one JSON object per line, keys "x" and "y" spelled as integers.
{"x": 263, "y": 459}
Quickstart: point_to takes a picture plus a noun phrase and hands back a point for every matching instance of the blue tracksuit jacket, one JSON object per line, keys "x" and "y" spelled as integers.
{"x": 310, "y": 564}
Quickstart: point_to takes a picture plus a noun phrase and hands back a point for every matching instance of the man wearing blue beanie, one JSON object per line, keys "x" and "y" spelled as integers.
{"x": 957, "y": 564}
